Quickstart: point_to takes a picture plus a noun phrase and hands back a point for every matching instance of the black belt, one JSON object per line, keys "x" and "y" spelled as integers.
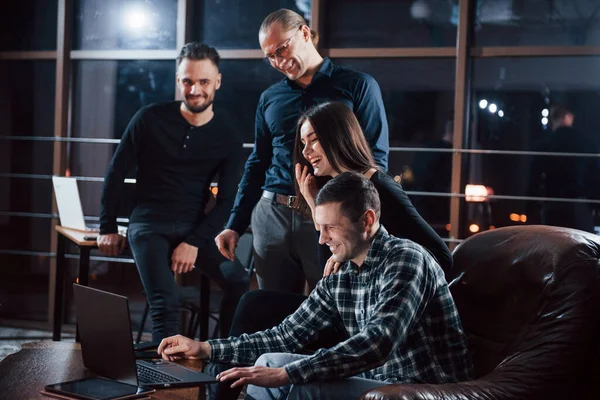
{"x": 288, "y": 201}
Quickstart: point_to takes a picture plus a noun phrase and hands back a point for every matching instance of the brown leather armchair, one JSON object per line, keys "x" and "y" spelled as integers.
{"x": 529, "y": 300}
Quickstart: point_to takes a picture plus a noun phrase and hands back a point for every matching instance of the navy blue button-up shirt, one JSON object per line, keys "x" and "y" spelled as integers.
{"x": 269, "y": 167}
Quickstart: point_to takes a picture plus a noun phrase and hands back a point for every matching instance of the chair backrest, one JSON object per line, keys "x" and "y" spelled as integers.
{"x": 529, "y": 301}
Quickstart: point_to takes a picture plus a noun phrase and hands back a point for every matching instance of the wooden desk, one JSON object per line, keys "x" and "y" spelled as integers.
{"x": 85, "y": 246}
{"x": 24, "y": 374}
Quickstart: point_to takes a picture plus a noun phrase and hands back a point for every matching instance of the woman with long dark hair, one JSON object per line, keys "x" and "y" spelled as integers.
{"x": 329, "y": 141}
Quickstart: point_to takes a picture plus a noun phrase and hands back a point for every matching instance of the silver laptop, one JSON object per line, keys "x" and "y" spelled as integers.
{"x": 107, "y": 344}
{"x": 70, "y": 211}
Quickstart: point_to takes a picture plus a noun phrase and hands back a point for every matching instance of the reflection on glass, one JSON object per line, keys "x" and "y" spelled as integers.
{"x": 28, "y": 25}
{"x": 242, "y": 84}
{"x": 537, "y": 23}
{"x": 109, "y": 93}
{"x": 27, "y": 89}
{"x": 232, "y": 24}
{"x": 418, "y": 95}
{"x": 512, "y": 98}
{"x": 385, "y": 23}
{"x": 116, "y": 24}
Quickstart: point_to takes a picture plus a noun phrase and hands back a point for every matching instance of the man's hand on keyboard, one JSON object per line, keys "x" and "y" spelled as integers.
{"x": 178, "y": 347}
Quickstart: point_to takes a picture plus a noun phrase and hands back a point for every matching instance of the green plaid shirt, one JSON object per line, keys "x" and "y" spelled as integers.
{"x": 401, "y": 321}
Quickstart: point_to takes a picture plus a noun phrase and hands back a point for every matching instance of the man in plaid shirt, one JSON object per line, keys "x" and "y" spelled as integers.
{"x": 390, "y": 297}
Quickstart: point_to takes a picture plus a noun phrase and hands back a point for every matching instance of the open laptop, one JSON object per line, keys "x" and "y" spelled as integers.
{"x": 70, "y": 211}
{"x": 107, "y": 344}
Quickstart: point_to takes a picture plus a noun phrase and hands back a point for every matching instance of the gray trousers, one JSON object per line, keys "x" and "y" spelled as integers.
{"x": 347, "y": 389}
{"x": 285, "y": 248}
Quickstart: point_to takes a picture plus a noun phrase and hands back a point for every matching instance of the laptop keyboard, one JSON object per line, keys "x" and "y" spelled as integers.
{"x": 149, "y": 375}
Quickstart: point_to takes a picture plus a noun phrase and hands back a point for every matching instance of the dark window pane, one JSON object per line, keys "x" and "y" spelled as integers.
{"x": 233, "y": 24}
{"x": 26, "y": 157}
{"x": 25, "y": 233}
{"x": 512, "y": 98}
{"x": 481, "y": 216}
{"x": 435, "y": 210}
{"x": 390, "y": 23}
{"x": 136, "y": 24}
{"x": 425, "y": 175}
{"x": 27, "y": 91}
{"x": 109, "y": 93}
{"x": 28, "y": 25}
{"x": 537, "y": 23}
{"x": 25, "y": 195}
{"x": 418, "y": 95}
{"x": 556, "y": 177}
{"x": 243, "y": 83}
{"x": 90, "y": 159}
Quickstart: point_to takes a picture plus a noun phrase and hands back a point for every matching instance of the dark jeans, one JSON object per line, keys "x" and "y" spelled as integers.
{"x": 152, "y": 245}
{"x": 257, "y": 311}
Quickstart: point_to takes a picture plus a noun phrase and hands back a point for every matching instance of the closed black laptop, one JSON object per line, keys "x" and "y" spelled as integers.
{"x": 107, "y": 344}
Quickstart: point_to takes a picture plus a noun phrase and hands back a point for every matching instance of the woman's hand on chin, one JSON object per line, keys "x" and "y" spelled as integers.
{"x": 307, "y": 184}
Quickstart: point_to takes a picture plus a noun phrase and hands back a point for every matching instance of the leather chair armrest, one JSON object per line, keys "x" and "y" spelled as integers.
{"x": 480, "y": 390}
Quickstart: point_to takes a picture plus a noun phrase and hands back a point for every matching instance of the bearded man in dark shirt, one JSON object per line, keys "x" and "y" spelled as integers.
{"x": 176, "y": 150}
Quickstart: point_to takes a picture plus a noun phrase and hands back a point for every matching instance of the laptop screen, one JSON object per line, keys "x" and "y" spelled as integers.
{"x": 68, "y": 202}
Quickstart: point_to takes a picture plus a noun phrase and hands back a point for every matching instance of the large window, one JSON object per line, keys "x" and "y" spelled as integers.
{"x": 234, "y": 24}
{"x": 390, "y": 23}
{"x": 116, "y": 24}
{"x": 28, "y": 25}
{"x": 537, "y": 22}
{"x": 473, "y": 114}
{"x": 26, "y": 122}
{"x": 512, "y": 110}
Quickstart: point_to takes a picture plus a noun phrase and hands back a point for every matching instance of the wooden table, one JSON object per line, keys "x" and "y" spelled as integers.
{"x": 85, "y": 246}
{"x": 24, "y": 374}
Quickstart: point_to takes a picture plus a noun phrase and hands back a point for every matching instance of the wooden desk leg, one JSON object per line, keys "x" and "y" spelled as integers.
{"x": 59, "y": 284}
{"x": 84, "y": 265}
{"x": 84, "y": 273}
{"x": 204, "y": 306}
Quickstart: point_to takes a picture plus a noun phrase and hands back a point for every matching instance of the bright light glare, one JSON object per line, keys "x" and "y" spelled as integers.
{"x": 136, "y": 18}
{"x": 500, "y": 113}
{"x": 483, "y": 104}
{"x": 545, "y": 112}
{"x": 476, "y": 193}
{"x": 493, "y": 108}
{"x": 544, "y": 121}
{"x": 474, "y": 228}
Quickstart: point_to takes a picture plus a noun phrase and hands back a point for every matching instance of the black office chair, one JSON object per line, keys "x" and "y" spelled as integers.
{"x": 197, "y": 301}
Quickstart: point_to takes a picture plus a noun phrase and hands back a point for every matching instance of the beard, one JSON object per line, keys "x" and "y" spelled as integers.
{"x": 200, "y": 108}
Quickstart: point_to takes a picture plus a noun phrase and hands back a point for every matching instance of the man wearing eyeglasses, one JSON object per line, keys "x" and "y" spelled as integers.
{"x": 285, "y": 242}
{"x": 176, "y": 150}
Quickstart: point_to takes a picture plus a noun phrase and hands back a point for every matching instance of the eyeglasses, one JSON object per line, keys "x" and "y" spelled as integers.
{"x": 282, "y": 51}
